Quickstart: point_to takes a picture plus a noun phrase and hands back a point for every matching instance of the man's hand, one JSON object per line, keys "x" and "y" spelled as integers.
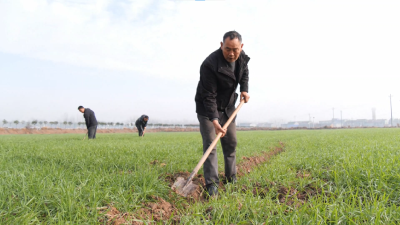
{"x": 244, "y": 95}
{"x": 218, "y": 128}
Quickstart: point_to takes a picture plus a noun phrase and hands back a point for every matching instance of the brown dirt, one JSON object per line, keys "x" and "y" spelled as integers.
{"x": 158, "y": 211}
{"x": 114, "y": 217}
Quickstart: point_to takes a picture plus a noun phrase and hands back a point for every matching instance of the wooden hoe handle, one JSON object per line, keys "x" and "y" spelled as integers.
{"x": 207, "y": 153}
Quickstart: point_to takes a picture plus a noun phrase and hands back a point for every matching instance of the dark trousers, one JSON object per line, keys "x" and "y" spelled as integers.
{"x": 92, "y": 132}
{"x": 228, "y": 143}
{"x": 140, "y": 130}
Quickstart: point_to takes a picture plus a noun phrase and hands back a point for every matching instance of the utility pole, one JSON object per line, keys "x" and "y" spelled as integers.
{"x": 341, "y": 119}
{"x": 391, "y": 113}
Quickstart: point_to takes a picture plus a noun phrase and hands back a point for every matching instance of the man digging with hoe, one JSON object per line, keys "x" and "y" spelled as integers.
{"x": 220, "y": 74}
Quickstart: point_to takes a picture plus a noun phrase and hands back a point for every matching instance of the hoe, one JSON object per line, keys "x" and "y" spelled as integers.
{"x": 85, "y": 136}
{"x": 186, "y": 188}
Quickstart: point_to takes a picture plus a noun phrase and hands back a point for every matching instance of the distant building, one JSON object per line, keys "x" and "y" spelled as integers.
{"x": 266, "y": 125}
{"x": 381, "y": 123}
{"x": 305, "y": 124}
{"x": 396, "y": 122}
{"x": 292, "y": 124}
{"x": 297, "y": 124}
{"x": 337, "y": 123}
{"x": 366, "y": 123}
{"x": 247, "y": 125}
{"x": 334, "y": 123}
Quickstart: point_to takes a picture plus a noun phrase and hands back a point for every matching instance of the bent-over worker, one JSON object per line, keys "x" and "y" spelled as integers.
{"x": 141, "y": 124}
{"x": 90, "y": 120}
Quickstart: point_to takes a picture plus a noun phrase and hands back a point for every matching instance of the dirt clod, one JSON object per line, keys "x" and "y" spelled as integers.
{"x": 240, "y": 206}
{"x": 154, "y": 162}
{"x": 160, "y": 210}
{"x": 157, "y": 211}
{"x": 303, "y": 174}
{"x": 113, "y": 216}
{"x": 197, "y": 195}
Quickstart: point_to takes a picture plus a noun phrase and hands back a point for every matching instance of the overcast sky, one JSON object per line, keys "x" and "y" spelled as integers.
{"x": 127, "y": 58}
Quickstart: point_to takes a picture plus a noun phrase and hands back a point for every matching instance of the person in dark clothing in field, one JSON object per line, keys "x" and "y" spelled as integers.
{"x": 220, "y": 74}
{"x": 141, "y": 124}
{"x": 91, "y": 122}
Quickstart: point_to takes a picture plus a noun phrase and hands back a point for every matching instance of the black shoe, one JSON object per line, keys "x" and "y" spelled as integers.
{"x": 212, "y": 190}
{"x": 231, "y": 179}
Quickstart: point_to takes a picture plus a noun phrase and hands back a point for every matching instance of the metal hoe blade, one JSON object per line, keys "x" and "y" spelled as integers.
{"x": 182, "y": 188}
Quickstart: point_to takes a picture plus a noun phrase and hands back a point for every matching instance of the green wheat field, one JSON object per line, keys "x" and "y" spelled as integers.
{"x": 349, "y": 176}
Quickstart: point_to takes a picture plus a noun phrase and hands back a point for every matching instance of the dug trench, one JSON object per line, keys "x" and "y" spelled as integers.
{"x": 168, "y": 212}
{"x": 244, "y": 167}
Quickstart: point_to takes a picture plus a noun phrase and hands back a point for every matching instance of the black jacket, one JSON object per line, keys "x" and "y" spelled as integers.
{"x": 140, "y": 122}
{"x": 216, "y": 91}
{"x": 90, "y": 118}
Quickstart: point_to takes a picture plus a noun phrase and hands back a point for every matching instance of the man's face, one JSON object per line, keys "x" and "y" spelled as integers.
{"x": 231, "y": 49}
{"x": 146, "y": 119}
{"x": 82, "y": 110}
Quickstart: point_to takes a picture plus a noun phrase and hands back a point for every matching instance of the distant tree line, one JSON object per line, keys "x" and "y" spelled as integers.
{"x": 64, "y": 124}
{"x": 38, "y": 124}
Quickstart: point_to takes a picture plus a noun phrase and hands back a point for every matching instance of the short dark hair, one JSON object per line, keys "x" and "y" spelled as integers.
{"x": 232, "y": 35}
{"x": 80, "y": 107}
